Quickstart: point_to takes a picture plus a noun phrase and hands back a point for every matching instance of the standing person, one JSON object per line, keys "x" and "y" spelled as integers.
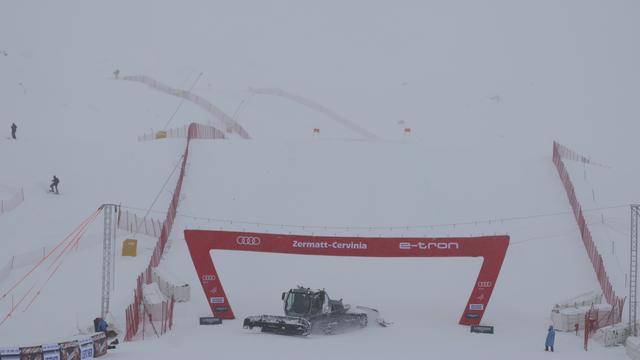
{"x": 13, "y": 130}
{"x": 54, "y": 184}
{"x": 116, "y": 73}
{"x": 551, "y": 337}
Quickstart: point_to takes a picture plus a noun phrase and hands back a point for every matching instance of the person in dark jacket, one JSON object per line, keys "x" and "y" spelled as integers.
{"x": 13, "y": 130}
{"x": 54, "y": 184}
{"x": 551, "y": 337}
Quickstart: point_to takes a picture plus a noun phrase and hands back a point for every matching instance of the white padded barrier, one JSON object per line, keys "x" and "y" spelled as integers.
{"x": 632, "y": 347}
{"x": 612, "y": 335}
{"x": 152, "y": 298}
{"x": 566, "y": 319}
{"x": 169, "y": 286}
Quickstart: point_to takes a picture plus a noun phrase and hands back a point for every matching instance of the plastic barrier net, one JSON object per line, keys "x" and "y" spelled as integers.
{"x": 229, "y": 125}
{"x": 560, "y": 152}
{"x": 136, "y": 312}
{"x": 204, "y": 132}
{"x": 138, "y": 224}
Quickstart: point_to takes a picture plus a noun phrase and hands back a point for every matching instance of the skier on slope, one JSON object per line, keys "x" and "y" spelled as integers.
{"x": 14, "y": 127}
{"x": 54, "y": 184}
{"x": 551, "y": 337}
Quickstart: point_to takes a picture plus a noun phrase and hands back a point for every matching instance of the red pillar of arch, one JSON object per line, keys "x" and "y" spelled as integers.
{"x": 492, "y": 248}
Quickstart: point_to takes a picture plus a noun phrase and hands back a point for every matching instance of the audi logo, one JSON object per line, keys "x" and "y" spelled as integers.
{"x": 208, "y": 277}
{"x": 248, "y": 240}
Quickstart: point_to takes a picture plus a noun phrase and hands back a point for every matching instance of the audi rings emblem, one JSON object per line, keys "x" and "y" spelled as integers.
{"x": 208, "y": 277}
{"x": 248, "y": 240}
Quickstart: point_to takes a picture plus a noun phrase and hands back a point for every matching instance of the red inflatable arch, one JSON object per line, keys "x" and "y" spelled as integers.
{"x": 492, "y": 248}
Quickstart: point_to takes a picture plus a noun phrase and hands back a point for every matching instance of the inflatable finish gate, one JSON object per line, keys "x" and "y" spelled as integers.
{"x": 492, "y": 248}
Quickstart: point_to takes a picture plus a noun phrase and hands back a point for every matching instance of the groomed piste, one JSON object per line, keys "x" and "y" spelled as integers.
{"x": 211, "y": 125}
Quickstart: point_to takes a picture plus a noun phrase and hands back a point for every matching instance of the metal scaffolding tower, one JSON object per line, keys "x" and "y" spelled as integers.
{"x": 633, "y": 272}
{"x": 108, "y": 256}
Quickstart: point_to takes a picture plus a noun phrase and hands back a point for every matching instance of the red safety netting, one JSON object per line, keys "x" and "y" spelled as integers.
{"x": 595, "y": 319}
{"x": 205, "y": 132}
{"x": 54, "y": 258}
{"x": 225, "y": 121}
{"x": 135, "y": 313}
{"x": 559, "y": 153}
{"x": 138, "y": 224}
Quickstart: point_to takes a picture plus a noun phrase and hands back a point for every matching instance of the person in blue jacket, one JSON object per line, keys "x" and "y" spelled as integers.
{"x": 551, "y": 337}
{"x": 100, "y": 325}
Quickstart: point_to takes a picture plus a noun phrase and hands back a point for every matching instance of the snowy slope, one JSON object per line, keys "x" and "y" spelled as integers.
{"x": 485, "y": 88}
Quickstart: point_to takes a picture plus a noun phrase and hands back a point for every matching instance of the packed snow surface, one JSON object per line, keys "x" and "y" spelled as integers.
{"x": 460, "y": 102}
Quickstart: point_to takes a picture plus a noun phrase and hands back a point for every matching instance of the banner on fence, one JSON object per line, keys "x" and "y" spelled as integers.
{"x": 86, "y": 348}
{"x": 69, "y": 350}
{"x": 31, "y": 353}
{"x": 51, "y": 352}
{"x": 10, "y": 353}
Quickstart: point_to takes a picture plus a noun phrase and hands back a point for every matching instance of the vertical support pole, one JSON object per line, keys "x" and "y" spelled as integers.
{"x": 633, "y": 271}
{"x": 114, "y": 225}
{"x": 108, "y": 257}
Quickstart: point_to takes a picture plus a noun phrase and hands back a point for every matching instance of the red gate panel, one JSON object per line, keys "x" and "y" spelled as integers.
{"x": 492, "y": 248}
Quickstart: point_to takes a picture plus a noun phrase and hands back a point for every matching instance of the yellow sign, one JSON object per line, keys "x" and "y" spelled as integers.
{"x": 130, "y": 247}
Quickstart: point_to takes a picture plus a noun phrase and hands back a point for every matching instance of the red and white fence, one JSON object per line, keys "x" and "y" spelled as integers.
{"x": 596, "y": 319}
{"x": 13, "y": 202}
{"x": 208, "y": 132}
{"x": 136, "y": 312}
{"x": 165, "y": 322}
{"x": 138, "y": 224}
{"x": 132, "y": 313}
{"x": 560, "y": 152}
{"x": 225, "y": 121}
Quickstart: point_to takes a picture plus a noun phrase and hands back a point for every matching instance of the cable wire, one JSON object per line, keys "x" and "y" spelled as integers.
{"x": 399, "y": 227}
{"x": 164, "y": 185}
{"x": 181, "y": 102}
